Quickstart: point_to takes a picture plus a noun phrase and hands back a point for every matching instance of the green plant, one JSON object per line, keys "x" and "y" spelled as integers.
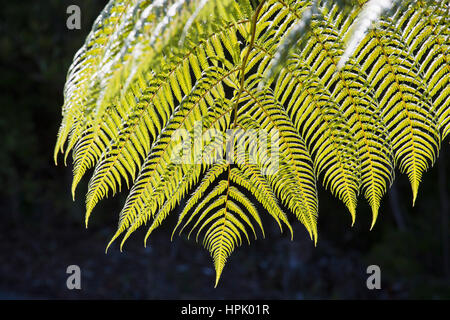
{"x": 149, "y": 68}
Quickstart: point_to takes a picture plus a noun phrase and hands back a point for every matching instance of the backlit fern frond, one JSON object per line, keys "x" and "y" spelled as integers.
{"x": 242, "y": 107}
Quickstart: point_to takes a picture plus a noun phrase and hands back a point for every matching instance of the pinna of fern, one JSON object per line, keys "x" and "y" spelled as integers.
{"x": 346, "y": 113}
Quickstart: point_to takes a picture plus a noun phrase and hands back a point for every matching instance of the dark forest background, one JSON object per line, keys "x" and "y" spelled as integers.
{"x": 42, "y": 229}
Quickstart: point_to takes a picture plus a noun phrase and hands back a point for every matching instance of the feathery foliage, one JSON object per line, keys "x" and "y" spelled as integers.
{"x": 149, "y": 69}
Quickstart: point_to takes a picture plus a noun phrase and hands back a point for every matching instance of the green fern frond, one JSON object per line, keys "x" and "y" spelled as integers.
{"x": 295, "y": 180}
{"x": 154, "y": 77}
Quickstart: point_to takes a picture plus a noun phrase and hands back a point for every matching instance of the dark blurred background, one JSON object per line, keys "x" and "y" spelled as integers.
{"x": 42, "y": 231}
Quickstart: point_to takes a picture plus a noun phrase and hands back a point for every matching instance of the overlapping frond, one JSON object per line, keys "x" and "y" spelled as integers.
{"x": 246, "y": 106}
{"x": 294, "y": 181}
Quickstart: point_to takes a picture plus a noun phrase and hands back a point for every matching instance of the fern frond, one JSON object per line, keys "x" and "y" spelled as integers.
{"x": 407, "y": 115}
{"x": 252, "y": 180}
{"x": 85, "y": 65}
{"x": 357, "y": 106}
{"x": 153, "y": 77}
{"x": 318, "y": 118}
{"x": 209, "y": 177}
{"x": 296, "y": 179}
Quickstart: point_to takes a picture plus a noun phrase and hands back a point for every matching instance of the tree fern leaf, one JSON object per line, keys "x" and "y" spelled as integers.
{"x": 302, "y": 192}
{"x": 187, "y": 113}
{"x": 328, "y": 136}
{"x": 142, "y": 90}
{"x": 405, "y": 110}
{"x": 359, "y": 109}
{"x": 174, "y": 199}
{"x": 85, "y": 64}
{"x": 259, "y": 186}
{"x": 241, "y": 198}
{"x": 209, "y": 177}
